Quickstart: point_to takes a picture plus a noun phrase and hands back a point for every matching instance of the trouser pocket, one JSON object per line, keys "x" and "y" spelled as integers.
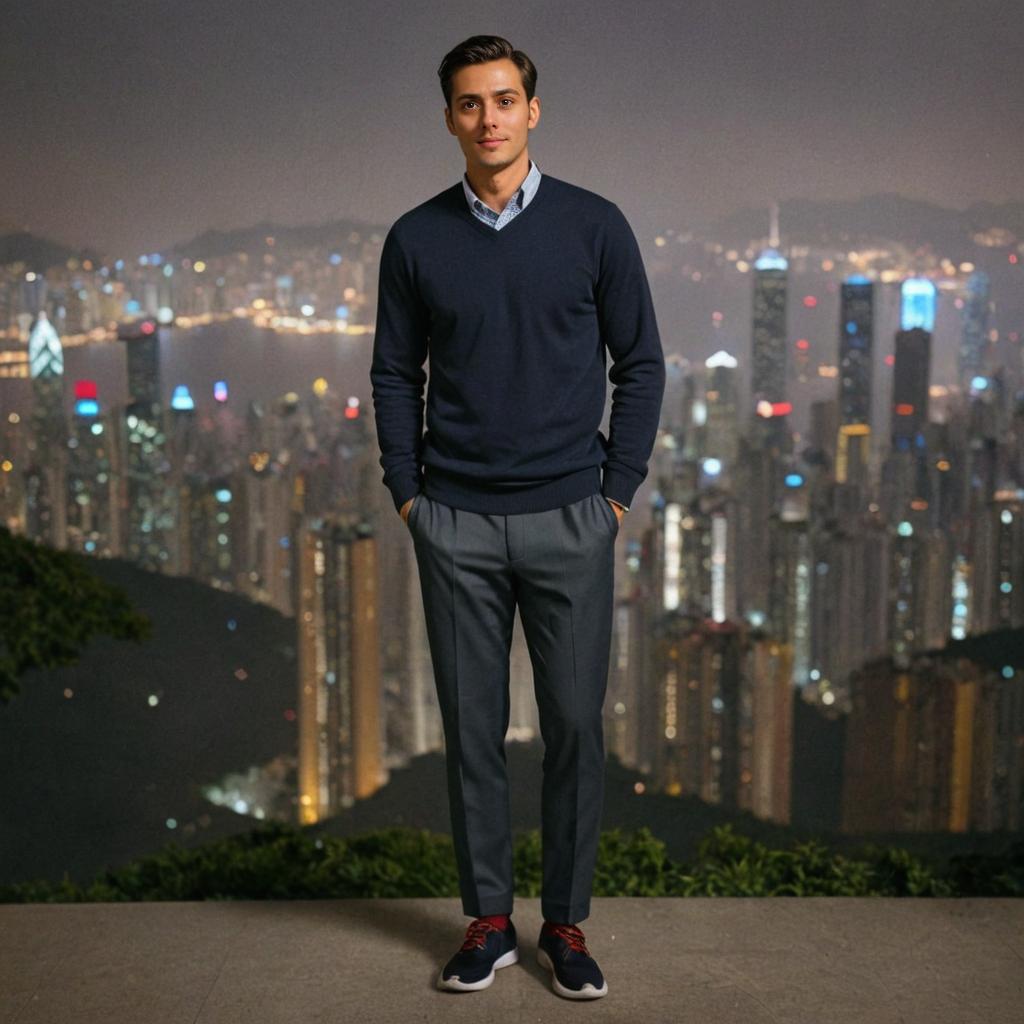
{"x": 609, "y": 512}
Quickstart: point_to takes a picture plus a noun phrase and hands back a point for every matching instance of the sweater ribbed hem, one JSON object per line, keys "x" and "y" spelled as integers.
{"x": 476, "y": 496}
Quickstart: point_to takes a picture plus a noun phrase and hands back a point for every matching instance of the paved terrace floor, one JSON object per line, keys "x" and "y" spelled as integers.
{"x": 798, "y": 961}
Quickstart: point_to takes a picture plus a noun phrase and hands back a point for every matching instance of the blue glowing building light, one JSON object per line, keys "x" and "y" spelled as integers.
{"x": 181, "y": 400}
{"x": 917, "y": 304}
{"x": 771, "y": 259}
{"x": 88, "y": 408}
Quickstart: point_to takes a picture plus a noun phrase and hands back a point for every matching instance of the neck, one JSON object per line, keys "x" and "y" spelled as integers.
{"x": 497, "y": 187}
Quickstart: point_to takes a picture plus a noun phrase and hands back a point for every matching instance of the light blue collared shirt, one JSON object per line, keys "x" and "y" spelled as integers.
{"x": 515, "y": 205}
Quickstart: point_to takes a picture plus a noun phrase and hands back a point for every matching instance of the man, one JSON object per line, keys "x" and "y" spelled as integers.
{"x": 515, "y": 284}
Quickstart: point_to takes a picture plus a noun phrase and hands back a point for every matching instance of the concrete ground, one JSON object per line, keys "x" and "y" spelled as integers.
{"x": 797, "y": 961}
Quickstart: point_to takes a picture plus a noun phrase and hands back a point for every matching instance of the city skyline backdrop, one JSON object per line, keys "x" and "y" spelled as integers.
{"x": 136, "y": 127}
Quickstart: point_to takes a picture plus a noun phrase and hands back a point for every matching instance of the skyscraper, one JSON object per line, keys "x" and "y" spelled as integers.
{"x": 856, "y": 327}
{"x": 44, "y": 475}
{"x": 768, "y": 362}
{"x": 856, "y": 331}
{"x": 768, "y": 356}
{"x": 149, "y": 517}
{"x": 975, "y": 330}
{"x": 912, "y": 365}
{"x": 721, "y": 411}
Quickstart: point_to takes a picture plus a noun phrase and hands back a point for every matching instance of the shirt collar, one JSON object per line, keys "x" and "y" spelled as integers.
{"x": 524, "y": 194}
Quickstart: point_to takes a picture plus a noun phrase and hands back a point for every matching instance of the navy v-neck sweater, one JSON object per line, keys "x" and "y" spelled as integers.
{"x": 515, "y": 324}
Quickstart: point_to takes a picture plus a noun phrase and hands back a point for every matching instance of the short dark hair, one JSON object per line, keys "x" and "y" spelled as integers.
{"x": 479, "y": 50}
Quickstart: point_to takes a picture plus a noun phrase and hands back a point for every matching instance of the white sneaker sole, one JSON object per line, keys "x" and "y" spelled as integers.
{"x": 587, "y": 992}
{"x": 453, "y": 984}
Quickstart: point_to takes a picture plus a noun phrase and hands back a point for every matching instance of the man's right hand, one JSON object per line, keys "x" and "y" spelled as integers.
{"x": 404, "y": 510}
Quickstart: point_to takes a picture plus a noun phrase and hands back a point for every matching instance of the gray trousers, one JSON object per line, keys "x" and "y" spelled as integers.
{"x": 558, "y": 566}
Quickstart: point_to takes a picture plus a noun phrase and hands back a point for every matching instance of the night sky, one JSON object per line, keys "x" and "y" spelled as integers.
{"x": 129, "y": 126}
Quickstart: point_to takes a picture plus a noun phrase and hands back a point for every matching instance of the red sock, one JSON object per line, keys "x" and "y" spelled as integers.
{"x": 499, "y": 921}
{"x": 549, "y": 926}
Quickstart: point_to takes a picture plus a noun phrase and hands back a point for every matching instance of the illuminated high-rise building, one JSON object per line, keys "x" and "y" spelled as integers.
{"x": 45, "y": 353}
{"x": 721, "y": 411}
{"x": 188, "y": 487}
{"x": 917, "y": 304}
{"x": 206, "y": 534}
{"x": 770, "y": 429}
{"x": 768, "y": 359}
{"x": 932, "y": 746}
{"x": 260, "y": 492}
{"x": 912, "y": 364}
{"x": 856, "y": 328}
{"x": 997, "y": 585}
{"x": 91, "y": 474}
{"x": 790, "y": 605}
{"x": 148, "y": 516}
{"x": 920, "y": 605}
{"x": 724, "y": 717}
{"x": 142, "y": 356}
{"x": 340, "y": 714}
{"x": 45, "y": 511}
{"x": 974, "y": 342}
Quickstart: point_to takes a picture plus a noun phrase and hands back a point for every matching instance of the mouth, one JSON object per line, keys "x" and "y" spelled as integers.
{"x": 490, "y": 143}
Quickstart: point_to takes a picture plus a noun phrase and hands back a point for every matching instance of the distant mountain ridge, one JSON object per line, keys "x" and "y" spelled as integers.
{"x": 882, "y": 216}
{"x": 910, "y": 223}
{"x": 35, "y": 252}
{"x": 40, "y": 254}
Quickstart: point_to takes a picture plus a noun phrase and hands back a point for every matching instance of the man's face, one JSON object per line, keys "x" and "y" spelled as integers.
{"x": 488, "y": 101}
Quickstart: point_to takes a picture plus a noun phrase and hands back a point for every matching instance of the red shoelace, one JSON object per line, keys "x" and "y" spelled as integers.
{"x": 572, "y": 935}
{"x": 476, "y": 934}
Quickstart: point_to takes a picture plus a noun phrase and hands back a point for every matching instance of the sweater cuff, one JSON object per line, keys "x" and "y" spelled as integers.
{"x": 619, "y": 486}
{"x": 404, "y": 489}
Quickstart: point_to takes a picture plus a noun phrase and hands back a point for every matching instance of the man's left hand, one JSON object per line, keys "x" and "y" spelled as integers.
{"x": 617, "y": 509}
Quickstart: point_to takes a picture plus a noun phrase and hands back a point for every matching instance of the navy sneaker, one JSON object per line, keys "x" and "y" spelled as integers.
{"x": 485, "y": 949}
{"x": 574, "y": 972}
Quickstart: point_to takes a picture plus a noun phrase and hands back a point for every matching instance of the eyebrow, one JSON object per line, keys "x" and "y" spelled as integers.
{"x": 477, "y": 96}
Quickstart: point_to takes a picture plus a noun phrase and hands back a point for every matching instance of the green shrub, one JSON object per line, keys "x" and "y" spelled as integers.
{"x": 733, "y": 865}
{"x": 280, "y": 861}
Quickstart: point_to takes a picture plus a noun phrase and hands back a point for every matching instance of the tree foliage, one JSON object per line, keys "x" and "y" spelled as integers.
{"x": 51, "y": 606}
